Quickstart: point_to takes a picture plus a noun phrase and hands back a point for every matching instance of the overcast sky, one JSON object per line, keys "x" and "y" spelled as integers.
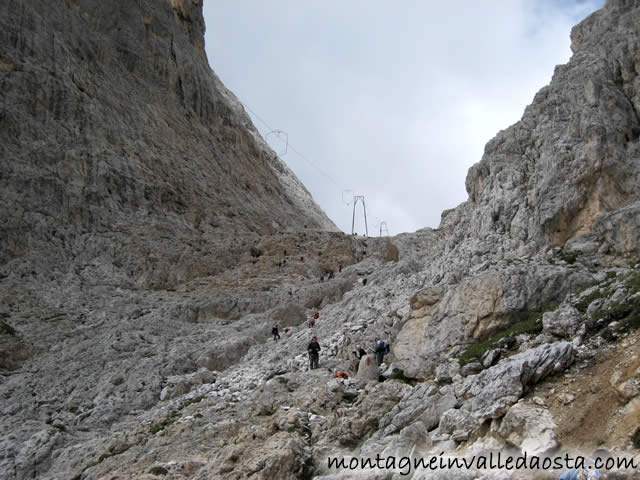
{"x": 393, "y": 100}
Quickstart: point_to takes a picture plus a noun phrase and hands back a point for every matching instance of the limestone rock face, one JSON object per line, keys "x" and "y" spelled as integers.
{"x": 572, "y": 156}
{"x": 114, "y": 126}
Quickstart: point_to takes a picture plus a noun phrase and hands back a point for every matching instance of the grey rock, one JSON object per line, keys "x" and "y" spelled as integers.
{"x": 490, "y": 357}
{"x": 457, "y": 419}
{"x": 423, "y": 403}
{"x": 490, "y": 393}
{"x": 471, "y": 368}
{"x": 584, "y": 244}
{"x": 445, "y": 373}
{"x": 368, "y": 369}
{"x": 563, "y": 322}
{"x": 529, "y": 428}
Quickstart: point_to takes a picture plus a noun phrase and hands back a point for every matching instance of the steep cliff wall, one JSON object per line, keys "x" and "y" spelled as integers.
{"x": 564, "y": 180}
{"x": 574, "y": 154}
{"x": 112, "y": 124}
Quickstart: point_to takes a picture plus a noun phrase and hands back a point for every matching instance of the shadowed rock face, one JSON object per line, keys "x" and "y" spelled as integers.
{"x": 113, "y": 123}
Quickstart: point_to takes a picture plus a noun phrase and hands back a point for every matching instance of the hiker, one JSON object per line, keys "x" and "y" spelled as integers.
{"x": 314, "y": 351}
{"x": 382, "y": 348}
{"x": 274, "y": 332}
{"x": 322, "y": 278}
{"x": 581, "y": 474}
{"x": 359, "y": 352}
{"x": 331, "y": 275}
{"x": 340, "y": 268}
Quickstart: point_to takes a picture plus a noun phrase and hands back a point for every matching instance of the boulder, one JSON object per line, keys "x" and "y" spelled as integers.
{"x": 368, "y": 369}
{"x": 471, "y": 368}
{"x": 529, "y": 428}
{"x": 425, "y": 403}
{"x": 490, "y": 393}
{"x": 457, "y": 419}
{"x": 563, "y": 322}
{"x": 490, "y": 357}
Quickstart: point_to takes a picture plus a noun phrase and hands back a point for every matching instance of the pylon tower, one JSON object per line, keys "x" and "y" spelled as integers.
{"x": 356, "y": 199}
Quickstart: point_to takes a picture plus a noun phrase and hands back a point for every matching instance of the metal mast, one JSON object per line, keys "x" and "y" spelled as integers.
{"x": 356, "y": 199}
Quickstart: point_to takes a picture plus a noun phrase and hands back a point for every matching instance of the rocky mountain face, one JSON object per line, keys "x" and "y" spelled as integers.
{"x": 114, "y": 127}
{"x": 151, "y": 240}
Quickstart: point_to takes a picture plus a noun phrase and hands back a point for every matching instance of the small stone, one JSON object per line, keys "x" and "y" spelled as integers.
{"x": 539, "y": 401}
{"x": 460, "y": 436}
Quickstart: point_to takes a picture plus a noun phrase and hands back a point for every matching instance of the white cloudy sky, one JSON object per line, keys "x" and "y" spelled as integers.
{"x": 393, "y": 100}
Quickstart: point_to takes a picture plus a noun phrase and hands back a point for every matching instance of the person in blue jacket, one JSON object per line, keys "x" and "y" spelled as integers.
{"x": 581, "y": 474}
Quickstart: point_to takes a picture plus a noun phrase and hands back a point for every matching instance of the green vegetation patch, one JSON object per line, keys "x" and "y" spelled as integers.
{"x": 398, "y": 374}
{"x": 635, "y": 438}
{"x": 164, "y": 423}
{"x": 585, "y": 301}
{"x": 8, "y": 329}
{"x": 633, "y": 282}
{"x": 628, "y": 314}
{"x": 531, "y": 325}
{"x": 197, "y": 399}
{"x": 158, "y": 470}
{"x": 569, "y": 257}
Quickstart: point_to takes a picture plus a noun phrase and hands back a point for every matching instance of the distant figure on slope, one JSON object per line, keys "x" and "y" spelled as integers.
{"x": 340, "y": 268}
{"x": 275, "y": 333}
{"x": 382, "y": 348}
{"x": 314, "y": 353}
{"x": 359, "y": 352}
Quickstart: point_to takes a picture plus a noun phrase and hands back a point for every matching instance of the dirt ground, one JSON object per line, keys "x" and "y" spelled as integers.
{"x": 588, "y": 410}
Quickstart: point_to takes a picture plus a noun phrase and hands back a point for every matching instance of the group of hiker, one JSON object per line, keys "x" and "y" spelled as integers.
{"x": 313, "y": 349}
{"x": 381, "y": 349}
{"x": 331, "y": 274}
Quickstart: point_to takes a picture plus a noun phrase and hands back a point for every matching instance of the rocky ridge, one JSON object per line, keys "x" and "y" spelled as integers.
{"x": 513, "y": 325}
